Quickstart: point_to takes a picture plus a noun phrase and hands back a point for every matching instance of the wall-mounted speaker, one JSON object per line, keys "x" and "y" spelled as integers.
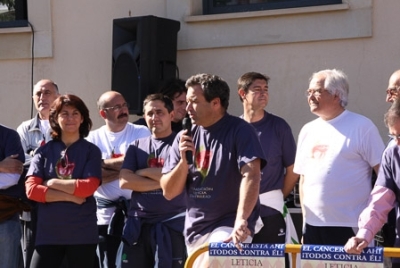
{"x": 143, "y": 57}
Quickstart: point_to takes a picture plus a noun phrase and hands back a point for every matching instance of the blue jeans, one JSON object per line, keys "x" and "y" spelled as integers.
{"x": 10, "y": 240}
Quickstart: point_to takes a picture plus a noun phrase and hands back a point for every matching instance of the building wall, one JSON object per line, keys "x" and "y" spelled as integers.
{"x": 72, "y": 45}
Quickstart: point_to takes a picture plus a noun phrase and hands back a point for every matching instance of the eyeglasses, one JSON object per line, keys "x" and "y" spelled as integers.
{"x": 394, "y": 137}
{"x": 392, "y": 90}
{"x": 314, "y": 92}
{"x": 117, "y": 107}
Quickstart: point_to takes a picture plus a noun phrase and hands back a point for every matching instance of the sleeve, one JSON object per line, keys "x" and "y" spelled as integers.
{"x": 22, "y": 132}
{"x": 372, "y": 146}
{"x": 92, "y": 167}
{"x": 8, "y": 179}
{"x": 248, "y": 151}
{"x": 130, "y": 157}
{"x": 300, "y": 158}
{"x": 174, "y": 155}
{"x": 86, "y": 187}
{"x": 371, "y": 220}
{"x": 288, "y": 145}
{"x": 12, "y": 146}
{"x": 35, "y": 190}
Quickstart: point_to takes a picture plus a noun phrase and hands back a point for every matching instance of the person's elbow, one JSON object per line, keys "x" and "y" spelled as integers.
{"x": 86, "y": 187}
{"x": 123, "y": 184}
{"x": 35, "y": 190}
{"x": 123, "y": 179}
{"x": 169, "y": 195}
{"x": 168, "y": 192}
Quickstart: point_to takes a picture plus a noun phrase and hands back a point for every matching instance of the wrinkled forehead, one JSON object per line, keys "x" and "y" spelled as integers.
{"x": 155, "y": 105}
{"x": 317, "y": 82}
{"x": 394, "y": 80}
{"x": 43, "y": 86}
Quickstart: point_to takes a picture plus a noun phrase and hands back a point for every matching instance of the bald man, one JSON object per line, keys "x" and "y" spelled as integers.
{"x": 113, "y": 139}
{"x": 393, "y": 88}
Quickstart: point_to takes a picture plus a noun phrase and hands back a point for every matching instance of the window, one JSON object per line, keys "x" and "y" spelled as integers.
{"x": 13, "y": 13}
{"x": 231, "y": 6}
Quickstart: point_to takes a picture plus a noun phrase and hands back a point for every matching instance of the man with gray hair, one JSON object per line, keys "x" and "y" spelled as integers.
{"x": 335, "y": 156}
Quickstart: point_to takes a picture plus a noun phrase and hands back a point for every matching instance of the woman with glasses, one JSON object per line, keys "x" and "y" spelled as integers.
{"x": 62, "y": 178}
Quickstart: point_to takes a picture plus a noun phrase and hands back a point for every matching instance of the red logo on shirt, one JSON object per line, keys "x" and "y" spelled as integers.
{"x": 114, "y": 155}
{"x": 202, "y": 161}
{"x": 155, "y": 162}
{"x": 64, "y": 168}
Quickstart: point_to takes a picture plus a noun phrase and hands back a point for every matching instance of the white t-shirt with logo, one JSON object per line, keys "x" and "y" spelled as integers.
{"x": 114, "y": 143}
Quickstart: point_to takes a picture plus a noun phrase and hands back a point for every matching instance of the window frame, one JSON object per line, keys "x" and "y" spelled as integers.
{"x": 209, "y": 9}
{"x": 21, "y": 16}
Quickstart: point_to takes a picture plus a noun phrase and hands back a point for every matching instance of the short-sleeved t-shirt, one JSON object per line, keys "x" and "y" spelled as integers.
{"x": 336, "y": 158}
{"x": 64, "y": 223}
{"x": 214, "y": 178}
{"x": 152, "y": 206}
{"x": 279, "y": 147}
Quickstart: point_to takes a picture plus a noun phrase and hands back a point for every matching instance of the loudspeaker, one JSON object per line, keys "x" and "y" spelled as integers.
{"x": 143, "y": 57}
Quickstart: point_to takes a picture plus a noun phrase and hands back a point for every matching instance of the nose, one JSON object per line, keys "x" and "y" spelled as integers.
{"x": 188, "y": 106}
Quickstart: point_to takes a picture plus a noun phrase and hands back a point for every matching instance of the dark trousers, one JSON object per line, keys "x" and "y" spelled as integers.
{"x": 273, "y": 232}
{"x": 28, "y": 238}
{"x": 327, "y": 235}
{"x": 106, "y": 249}
{"x": 77, "y": 256}
{"x": 141, "y": 254}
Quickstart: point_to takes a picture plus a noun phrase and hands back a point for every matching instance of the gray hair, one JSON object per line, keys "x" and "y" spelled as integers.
{"x": 336, "y": 82}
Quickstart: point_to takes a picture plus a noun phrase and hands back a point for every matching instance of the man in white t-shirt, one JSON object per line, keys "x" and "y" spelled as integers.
{"x": 335, "y": 156}
{"x": 34, "y": 133}
{"x": 113, "y": 139}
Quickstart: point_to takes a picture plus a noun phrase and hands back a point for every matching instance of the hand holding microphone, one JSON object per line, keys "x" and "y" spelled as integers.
{"x": 187, "y": 125}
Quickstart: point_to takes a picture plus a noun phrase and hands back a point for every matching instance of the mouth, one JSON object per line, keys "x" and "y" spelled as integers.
{"x": 122, "y": 115}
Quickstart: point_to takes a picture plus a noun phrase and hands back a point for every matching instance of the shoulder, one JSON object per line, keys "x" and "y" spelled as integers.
{"x": 358, "y": 118}
{"x": 94, "y": 134}
{"x": 138, "y": 128}
{"x": 7, "y": 132}
{"x": 25, "y": 124}
{"x": 89, "y": 146}
{"x": 236, "y": 121}
{"x": 276, "y": 120}
{"x": 140, "y": 121}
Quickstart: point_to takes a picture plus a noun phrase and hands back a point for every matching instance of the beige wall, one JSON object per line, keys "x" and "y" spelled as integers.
{"x": 73, "y": 47}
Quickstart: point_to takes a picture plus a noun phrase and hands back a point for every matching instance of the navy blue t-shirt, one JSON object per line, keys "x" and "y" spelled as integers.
{"x": 67, "y": 223}
{"x": 10, "y": 144}
{"x": 279, "y": 147}
{"x": 214, "y": 178}
{"x": 146, "y": 153}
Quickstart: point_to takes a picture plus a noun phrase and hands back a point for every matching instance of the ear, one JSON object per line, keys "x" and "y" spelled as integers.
{"x": 102, "y": 114}
{"x": 242, "y": 93}
{"x": 216, "y": 102}
{"x": 172, "y": 114}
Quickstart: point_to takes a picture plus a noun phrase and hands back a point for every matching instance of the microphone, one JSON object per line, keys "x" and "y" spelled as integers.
{"x": 187, "y": 125}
